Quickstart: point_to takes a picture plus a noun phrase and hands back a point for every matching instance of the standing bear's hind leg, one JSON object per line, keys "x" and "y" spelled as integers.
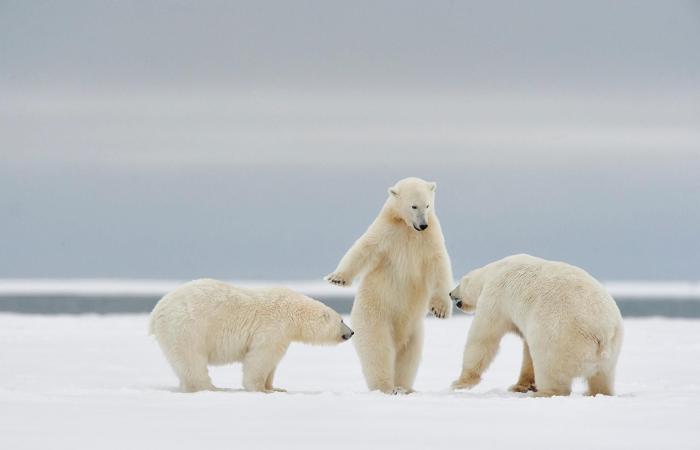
{"x": 377, "y": 357}
{"x": 407, "y": 361}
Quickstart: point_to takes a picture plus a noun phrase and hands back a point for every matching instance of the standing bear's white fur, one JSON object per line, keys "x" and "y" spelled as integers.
{"x": 209, "y": 322}
{"x": 405, "y": 271}
{"x": 570, "y": 325}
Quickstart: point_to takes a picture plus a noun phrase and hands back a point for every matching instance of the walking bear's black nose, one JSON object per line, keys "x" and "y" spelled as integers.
{"x": 423, "y": 227}
{"x": 347, "y": 336}
{"x": 459, "y": 304}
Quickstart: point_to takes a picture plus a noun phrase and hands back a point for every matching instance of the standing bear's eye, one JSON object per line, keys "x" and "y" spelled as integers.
{"x": 414, "y": 207}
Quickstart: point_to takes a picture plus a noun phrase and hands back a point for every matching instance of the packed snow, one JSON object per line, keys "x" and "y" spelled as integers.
{"x": 101, "y": 382}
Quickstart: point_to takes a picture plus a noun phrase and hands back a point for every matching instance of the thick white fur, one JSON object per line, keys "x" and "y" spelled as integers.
{"x": 404, "y": 272}
{"x": 570, "y": 325}
{"x": 209, "y": 322}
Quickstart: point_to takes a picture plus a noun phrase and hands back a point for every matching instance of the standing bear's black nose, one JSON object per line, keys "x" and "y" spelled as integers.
{"x": 423, "y": 227}
{"x": 458, "y": 304}
{"x": 347, "y": 336}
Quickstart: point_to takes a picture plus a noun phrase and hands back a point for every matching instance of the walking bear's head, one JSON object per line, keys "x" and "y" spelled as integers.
{"x": 322, "y": 325}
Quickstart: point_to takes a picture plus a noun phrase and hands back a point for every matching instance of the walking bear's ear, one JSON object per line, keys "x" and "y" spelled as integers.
{"x": 393, "y": 191}
{"x": 432, "y": 185}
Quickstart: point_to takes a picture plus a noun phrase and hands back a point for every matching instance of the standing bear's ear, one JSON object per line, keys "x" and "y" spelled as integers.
{"x": 394, "y": 192}
{"x": 432, "y": 185}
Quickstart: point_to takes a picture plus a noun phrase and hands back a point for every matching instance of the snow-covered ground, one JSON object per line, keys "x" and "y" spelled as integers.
{"x": 101, "y": 382}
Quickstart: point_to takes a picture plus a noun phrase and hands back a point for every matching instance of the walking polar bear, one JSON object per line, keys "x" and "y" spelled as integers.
{"x": 209, "y": 322}
{"x": 570, "y": 326}
{"x": 406, "y": 270}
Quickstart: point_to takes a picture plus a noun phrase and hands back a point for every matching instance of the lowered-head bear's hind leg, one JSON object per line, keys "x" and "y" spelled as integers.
{"x": 553, "y": 378}
{"x": 548, "y": 386}
{"x": 526, "y": 381}
{"x": 601, "y": 383}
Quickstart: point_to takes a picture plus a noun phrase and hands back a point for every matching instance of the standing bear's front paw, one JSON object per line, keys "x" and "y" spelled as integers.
{"x": 440, "y": 308}
{"x": 338, "y": 278}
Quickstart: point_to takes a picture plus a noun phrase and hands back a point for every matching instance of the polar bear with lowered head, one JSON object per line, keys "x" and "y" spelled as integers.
{"x": 209, "y": 322}
{"x": 405, "y": 272}
{"x": 569, "y": 324}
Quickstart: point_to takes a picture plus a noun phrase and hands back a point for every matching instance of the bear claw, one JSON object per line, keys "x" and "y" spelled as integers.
{"x": 336, "y": 279}
{"x": 523, "y": 388}
{"x": 401, "y": 391}
{"x": 439, "y": 312}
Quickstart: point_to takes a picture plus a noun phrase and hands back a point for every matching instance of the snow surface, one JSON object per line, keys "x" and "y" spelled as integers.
{"x": 101, "y": 382}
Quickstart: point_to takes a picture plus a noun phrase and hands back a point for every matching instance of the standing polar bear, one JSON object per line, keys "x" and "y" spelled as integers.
{"x": 209, "y": 322}
{"x": 406, "y": 270}
{"x": 570, "y": 325}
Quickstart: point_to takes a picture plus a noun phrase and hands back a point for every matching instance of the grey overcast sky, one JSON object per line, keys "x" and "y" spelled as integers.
{"x": 360, "y": 44}
{"x": 257, "y": 139}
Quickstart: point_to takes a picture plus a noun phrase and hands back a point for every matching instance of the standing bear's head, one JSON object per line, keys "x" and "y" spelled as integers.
{"x": 412, "y": 200}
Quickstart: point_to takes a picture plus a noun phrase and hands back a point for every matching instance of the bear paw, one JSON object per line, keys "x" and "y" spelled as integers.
{"x": 465, "y": 383}
{"x": 440, "y": 308}
{"x": 337, "y": 278}
{"x": 401, "y": 391}
{"x": 272, "y": 390}
{"x": 523, "y": 387}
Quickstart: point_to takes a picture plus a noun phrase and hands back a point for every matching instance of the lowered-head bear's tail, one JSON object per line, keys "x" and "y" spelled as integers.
{"x": 609, "y": 347}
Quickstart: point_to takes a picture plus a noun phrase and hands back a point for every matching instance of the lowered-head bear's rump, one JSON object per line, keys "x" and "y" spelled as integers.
{"x": 570, "y": 325}
{"x": 209, "y": 322}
